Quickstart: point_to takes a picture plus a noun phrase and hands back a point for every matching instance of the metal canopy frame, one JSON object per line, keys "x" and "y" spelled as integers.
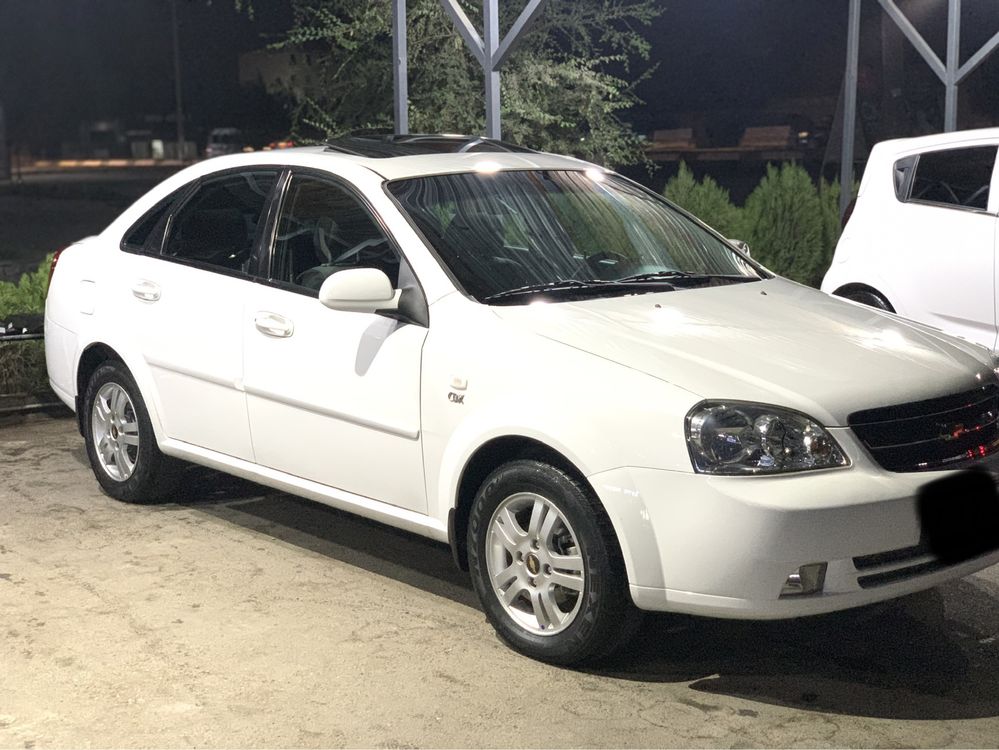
{"x": 489, "y": 50}
{"x": 950, "y": 72}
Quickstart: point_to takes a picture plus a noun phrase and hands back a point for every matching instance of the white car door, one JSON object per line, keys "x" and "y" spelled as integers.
{"x": 947, "y": 236}
{"x": 333, "y": 396}
{"x": 185, "y": 295}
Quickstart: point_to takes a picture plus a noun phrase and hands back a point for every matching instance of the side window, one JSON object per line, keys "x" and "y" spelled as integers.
{"x": 959, "y": 177}
{"x": 138, "y": 235}
{"x": 324, "y": 228}
{"x": 218, "y": 224}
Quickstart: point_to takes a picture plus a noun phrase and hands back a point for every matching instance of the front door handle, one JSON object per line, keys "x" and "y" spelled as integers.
{"x": 274, "y": 325}
{"x": 147, "y": 291}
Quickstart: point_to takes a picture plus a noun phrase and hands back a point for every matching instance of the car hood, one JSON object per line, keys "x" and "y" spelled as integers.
{"x": 770, "y": 341}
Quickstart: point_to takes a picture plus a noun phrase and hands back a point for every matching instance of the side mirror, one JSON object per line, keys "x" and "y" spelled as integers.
{"x": 359, "y": 290}
{"x": 743, "y": 246}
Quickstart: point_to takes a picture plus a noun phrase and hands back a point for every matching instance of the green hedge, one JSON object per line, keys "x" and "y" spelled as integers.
{"x": 22, "y": 363}
{"x": 791, "y": 224}
{"x": 27, "y": 295}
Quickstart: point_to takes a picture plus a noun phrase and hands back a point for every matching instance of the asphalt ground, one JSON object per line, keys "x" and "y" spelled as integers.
{"x": 241, "y": 617}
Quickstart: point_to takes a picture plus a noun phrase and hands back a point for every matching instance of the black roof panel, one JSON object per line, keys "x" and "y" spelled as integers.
{"x": 387, "y": 146}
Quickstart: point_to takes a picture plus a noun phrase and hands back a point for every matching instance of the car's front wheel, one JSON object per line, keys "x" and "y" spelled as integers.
{"x": 546, "y": 565}
{"x": 120, "y": 441}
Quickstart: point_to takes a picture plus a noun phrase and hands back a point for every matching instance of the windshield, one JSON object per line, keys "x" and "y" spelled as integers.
{"x": 510, "y": 234}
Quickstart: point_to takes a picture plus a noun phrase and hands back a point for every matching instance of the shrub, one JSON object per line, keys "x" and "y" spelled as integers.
{"x": 784, "y": 225}
{"x": 22, "y": 363}
{"x": 706, "y": 200}
{"x": 28, "y": 295}
{"x": 831, "y": 225}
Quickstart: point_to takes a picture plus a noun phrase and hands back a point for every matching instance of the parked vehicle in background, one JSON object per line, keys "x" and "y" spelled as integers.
{"x": 921, "y": 241}
{"x": 600, "y": 404}
{"x": 280, "y": 144}
{"x": 222, "y": 141}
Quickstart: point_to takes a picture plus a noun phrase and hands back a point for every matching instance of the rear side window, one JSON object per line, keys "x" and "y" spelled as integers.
{"x": 218, "y": 225}
{"x": 959, "y": 177}
{"x": 136, "y": 239}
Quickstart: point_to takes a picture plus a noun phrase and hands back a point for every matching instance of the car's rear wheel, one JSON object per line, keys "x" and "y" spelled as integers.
{"x": 868, "y": 297}
{"x": 546, "y": 565}
{"x": 120, "y": 441}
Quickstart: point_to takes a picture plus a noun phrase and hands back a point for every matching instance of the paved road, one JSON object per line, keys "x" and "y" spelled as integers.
{"x": 241, "y": 617}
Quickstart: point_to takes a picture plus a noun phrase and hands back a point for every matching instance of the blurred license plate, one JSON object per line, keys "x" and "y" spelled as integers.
{"x": 959, "y": 516}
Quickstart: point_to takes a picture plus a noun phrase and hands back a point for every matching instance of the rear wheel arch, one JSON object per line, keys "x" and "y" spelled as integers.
{"x": 93, "y": 357}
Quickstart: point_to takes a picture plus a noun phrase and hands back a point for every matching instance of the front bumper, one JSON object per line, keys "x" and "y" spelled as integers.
{"x": 724, "y": 546}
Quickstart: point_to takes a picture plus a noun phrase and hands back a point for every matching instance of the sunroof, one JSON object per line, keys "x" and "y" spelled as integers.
{"x": 386, "y": 146}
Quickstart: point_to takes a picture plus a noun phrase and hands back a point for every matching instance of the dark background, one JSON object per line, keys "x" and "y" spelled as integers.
{"x": 721, "y": 63}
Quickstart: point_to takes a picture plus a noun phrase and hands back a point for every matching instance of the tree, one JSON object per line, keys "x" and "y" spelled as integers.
{"x": 565, "y": 89}
{"x": 784, "y": 225}
{"x": 706, "y": 200}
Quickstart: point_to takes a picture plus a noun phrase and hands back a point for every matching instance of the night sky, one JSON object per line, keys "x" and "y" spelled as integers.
{"x": 67, "y": 61}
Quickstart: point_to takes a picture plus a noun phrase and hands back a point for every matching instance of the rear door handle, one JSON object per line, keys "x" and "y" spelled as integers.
{"x": 274, "y": 325}
{"x": 147, "y": 291}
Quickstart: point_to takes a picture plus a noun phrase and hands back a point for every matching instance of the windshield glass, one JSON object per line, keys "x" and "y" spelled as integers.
{"x": 511, "y": 232}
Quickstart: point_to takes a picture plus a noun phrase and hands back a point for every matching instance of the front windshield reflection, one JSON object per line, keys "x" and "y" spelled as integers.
{"x": 534, "y": 230}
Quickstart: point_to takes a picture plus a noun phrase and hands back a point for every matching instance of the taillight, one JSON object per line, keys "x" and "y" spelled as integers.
{"x": 55, "y": 260}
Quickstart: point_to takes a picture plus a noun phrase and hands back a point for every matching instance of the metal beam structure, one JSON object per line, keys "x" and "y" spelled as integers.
{"x": 850, "y": 107}
{"x": 400, "y": 67}
{"x": 177, "y": 91}
{"x": 951, "y": 73}
{"x": 490, "y": 50}
{"x": 490, "y": 11}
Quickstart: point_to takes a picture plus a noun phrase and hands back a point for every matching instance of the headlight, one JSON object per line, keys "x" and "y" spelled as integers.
{"x": 741, "y": 438}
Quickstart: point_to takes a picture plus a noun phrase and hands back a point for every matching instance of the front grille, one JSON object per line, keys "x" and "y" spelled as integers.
{"x": 891, "y": 557}
{"x": 895, "y": 565}
{"x": 933, "y": 434}
{"x": 874, "y": 580}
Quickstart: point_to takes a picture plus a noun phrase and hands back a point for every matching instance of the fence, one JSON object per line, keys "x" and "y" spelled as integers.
{"x": 23, "y": 378}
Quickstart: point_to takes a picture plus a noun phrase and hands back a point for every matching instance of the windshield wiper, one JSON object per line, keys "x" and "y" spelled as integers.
{"x": 569, "y": 285}
{"x": 681, "y": 276}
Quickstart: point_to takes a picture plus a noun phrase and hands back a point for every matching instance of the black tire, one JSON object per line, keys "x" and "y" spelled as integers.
{"x": 153, "y": 475}
{"x": 603, "y": 617}
{"x": 869, "y": 298}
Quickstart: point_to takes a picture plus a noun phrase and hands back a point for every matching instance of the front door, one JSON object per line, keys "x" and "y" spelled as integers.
{"x": 332, "y": 396}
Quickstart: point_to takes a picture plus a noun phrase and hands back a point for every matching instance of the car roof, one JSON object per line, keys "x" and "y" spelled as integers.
{"x": 941, "y": 139}
{"x": 399, "y": 157}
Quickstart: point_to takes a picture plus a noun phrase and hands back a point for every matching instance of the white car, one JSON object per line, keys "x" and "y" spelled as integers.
{"x": 600, "y": 404}
{"x": 921, "y": 240}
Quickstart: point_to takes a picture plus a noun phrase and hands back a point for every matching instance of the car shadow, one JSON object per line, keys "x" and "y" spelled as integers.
{"x": 933, "y": 655}
{"x": 384, "y": 550}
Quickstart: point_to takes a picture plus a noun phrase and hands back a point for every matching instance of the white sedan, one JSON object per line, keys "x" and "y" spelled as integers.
{"x": 599, "y": 403}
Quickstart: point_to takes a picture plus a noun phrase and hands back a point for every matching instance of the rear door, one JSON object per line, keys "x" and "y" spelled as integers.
{"x": 947, "y": 229}
{"x": 186, "y": 289}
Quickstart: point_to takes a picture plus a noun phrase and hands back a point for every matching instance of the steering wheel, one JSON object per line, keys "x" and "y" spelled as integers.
{"x": 607, "y": 260}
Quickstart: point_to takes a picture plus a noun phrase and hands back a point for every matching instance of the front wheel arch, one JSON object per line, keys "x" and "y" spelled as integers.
{"x": 486, "y": 458}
